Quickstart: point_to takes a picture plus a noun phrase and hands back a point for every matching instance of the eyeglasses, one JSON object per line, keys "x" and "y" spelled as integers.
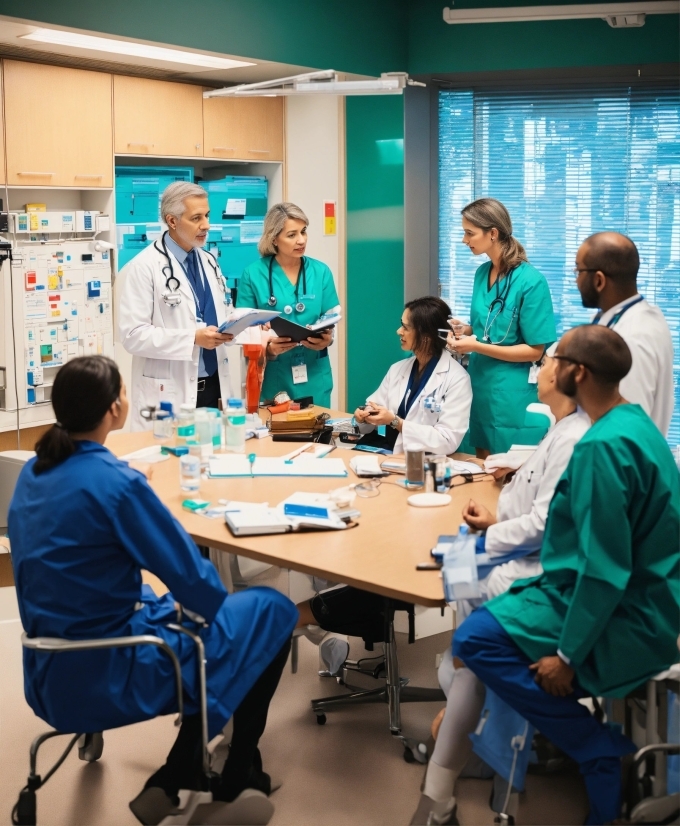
{"x": 574, "y": 361}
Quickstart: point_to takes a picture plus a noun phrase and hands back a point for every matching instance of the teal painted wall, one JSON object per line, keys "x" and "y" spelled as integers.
{"x": 375, "y": 240}
{"x": 362, "y": 36}
{"x": 435, "y": 46}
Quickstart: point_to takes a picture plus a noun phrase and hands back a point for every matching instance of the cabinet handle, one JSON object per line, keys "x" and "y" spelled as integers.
{"x": 140, "y": 143}
{"x": 260, "y": 151}
{"x": 224, "y": 149}
{"x": 89, "y": 176}
{"x": 37, "y": 174}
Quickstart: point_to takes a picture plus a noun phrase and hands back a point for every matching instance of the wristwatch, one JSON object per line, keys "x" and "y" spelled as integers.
{"x": 394, "y": 423}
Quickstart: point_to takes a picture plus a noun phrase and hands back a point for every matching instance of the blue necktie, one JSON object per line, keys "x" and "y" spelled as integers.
{"x": 194, "y": 275}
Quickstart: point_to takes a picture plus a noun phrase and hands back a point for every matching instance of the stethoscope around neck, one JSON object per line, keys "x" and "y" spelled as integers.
{"x": 172, "y": 296}
{"x": 498, "y": 304}
{"x": 302, "y": 276}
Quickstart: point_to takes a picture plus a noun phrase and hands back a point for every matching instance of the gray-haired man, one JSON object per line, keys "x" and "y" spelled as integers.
{"x": 173, "y": 299}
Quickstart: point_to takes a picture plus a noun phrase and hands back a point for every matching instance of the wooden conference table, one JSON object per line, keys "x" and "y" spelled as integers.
{"x": 380, "y": 555}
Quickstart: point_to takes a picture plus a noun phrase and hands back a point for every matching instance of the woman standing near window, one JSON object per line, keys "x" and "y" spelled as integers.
{"x": 512, "y": 322}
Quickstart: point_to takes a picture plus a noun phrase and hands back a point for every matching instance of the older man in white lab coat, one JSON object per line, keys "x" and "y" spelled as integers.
{"x": 173, "y": 300}
{"x": 519, "y": 523}
{"x": 606, "y": 270}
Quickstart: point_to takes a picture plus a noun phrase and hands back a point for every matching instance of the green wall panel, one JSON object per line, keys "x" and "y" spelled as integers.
{"x": 352, "y": 36}
{"x": 435, "y": 46}
{"x": 375, "y": 240}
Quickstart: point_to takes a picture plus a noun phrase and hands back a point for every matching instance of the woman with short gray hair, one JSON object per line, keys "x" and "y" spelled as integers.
{"x": 302, "y": 290}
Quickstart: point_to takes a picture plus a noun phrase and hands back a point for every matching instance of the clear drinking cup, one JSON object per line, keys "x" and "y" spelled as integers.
{"x": 415, "y": 469}
{"x": 190, "y": 472}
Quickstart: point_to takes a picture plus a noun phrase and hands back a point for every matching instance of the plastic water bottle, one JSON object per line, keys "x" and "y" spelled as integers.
{"x": 460, "y": 567}
{"x": 190, "y": 472}
{"x": 236, "y": 426}
{"x": 202, "y": 427}
{"x": 185, "y": 422}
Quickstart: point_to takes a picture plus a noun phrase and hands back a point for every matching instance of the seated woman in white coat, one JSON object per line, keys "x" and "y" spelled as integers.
{"x": 519, "y": 523}
{"x": 425, "y": 399}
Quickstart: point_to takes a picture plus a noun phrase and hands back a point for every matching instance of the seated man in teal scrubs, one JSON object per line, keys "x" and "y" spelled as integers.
{"x": 603, "y": 617}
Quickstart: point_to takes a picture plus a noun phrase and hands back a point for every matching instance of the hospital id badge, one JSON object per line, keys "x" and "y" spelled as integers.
{"x": 533, "y": 374}
{"x": 299, "y": 373}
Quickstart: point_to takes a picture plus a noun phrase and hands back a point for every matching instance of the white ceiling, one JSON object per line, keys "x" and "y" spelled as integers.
{"x": 11, "y": 45}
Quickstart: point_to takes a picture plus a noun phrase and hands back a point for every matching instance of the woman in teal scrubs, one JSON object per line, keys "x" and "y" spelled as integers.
{"x": 301, "y": 289}
{"x": 512, "y": 322}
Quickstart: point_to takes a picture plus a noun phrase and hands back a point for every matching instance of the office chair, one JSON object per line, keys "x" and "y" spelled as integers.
{"x": 394, "y": 692}
{"x": 91, "y": 744}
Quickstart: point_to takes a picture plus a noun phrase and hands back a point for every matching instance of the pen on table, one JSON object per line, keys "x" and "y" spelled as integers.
{"x": 251, "y": 459}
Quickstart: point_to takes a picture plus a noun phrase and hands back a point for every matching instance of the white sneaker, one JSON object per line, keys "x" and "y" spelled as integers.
{"x": 333, "y": 652}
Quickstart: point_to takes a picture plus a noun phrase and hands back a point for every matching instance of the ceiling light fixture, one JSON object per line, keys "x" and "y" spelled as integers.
{"x": 77, "y": 40}
{"x": 326, "y": 82}
{"x": 618, "y": 15}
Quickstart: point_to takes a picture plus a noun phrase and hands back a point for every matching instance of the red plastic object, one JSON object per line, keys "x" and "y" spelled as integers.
{"x": 254, "y": 375}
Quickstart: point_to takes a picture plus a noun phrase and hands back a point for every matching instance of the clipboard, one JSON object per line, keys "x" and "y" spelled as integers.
{"x": 284, "y": 328}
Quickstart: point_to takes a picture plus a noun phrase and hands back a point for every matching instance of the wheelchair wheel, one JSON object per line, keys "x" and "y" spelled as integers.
{"x": 321, "y": 719}
{"x": 91, "y": 746}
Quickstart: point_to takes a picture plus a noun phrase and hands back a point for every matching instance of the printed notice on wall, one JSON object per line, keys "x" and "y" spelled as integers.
{"x": 35, "y": 305}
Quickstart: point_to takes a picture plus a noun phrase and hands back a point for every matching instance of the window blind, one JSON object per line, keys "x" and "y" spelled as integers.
{"x": 566, "y": 163}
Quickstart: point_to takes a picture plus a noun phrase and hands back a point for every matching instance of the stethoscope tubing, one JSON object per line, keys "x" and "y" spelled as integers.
{"x": 302, "y": 275}
{"x": 173, "y": 288}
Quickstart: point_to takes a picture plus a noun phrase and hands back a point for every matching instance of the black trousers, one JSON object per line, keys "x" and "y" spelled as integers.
{"x": 210, "y": 394}
{"x": 243, "y": 768}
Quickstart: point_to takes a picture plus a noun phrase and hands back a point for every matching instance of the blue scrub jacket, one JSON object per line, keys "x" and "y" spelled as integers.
{"x": 81, "y": 532}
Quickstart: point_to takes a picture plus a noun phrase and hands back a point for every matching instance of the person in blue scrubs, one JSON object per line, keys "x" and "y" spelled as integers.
{"x": 301, "y": 289}
{"x": 83, "y": 525}
{"x": 512, "y": 322}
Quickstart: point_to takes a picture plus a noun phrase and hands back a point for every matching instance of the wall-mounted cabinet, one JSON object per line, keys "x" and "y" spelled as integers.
{"x": 154, "y": 117}
{"x": 58, "y": 126}
{"x": 243, "y": 128}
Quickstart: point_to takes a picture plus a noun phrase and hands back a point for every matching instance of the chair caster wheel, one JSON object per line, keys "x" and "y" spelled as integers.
{"x": 408, "y": 756}
{"x": 321, "y": 719}
{"x": 90, "y": 747}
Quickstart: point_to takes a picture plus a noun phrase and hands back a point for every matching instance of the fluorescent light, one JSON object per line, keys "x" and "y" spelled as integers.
{"x": 605, "y": 11}
{"x": 127, "y": 47}
{"x": 325, "y": 82}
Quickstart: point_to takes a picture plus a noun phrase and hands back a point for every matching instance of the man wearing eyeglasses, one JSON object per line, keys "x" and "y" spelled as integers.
{"x": 607, "y": 265}
{"x": 603, "y": 617}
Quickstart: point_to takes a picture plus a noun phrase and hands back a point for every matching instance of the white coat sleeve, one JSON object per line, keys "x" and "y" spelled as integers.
{"x": 448, "y": 432}
{"x": 640, "y": 385}
{"x": 381, "y": 397}
{"x": 526, "y": 530}
{"x": 137, "y": 332}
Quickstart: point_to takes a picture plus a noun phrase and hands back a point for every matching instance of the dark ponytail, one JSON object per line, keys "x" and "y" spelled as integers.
{"x": 83, "y": 391}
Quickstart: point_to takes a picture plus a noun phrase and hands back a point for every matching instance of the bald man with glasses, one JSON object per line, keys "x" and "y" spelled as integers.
{"x": 606, "y": 270}
{"x": 604, "y": 616}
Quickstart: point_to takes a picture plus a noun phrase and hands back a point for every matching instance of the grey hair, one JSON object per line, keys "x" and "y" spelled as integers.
{"x": 172, "y": 201}
{"x": 274, "y": 222}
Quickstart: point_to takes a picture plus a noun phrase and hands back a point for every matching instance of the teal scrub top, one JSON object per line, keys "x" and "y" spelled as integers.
{"x": 501, "y": 389}
{"x": 321, "y": 296}
{"x": 609, "y": 594}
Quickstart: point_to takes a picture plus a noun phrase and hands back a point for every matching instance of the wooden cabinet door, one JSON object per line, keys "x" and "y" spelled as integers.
{"x": 154, "y": 117}
{"x": 58, "y": 126}
{"x": 2, "y": 142}
{"x": 243, "y": 128}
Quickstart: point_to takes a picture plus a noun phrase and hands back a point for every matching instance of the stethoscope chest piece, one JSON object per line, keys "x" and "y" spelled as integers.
{"x": 299, "y": 307}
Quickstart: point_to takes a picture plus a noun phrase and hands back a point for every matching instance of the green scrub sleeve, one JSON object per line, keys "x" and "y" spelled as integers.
{"x": 536, "y": 317}
{"x": 245, "y": 295}
{"x": 605, "y": 556}
{"x": 329, "y": 295}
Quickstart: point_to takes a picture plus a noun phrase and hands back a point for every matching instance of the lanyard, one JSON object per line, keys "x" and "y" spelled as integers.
{"x": 412, "y": 392}
{"x": 617, "y": 317}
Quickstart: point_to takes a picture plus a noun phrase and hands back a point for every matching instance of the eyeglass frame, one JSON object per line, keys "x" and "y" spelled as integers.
{"x": 574, "y": 361}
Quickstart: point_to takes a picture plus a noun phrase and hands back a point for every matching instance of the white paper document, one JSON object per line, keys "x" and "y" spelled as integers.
{"x": 225, "y": 466}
